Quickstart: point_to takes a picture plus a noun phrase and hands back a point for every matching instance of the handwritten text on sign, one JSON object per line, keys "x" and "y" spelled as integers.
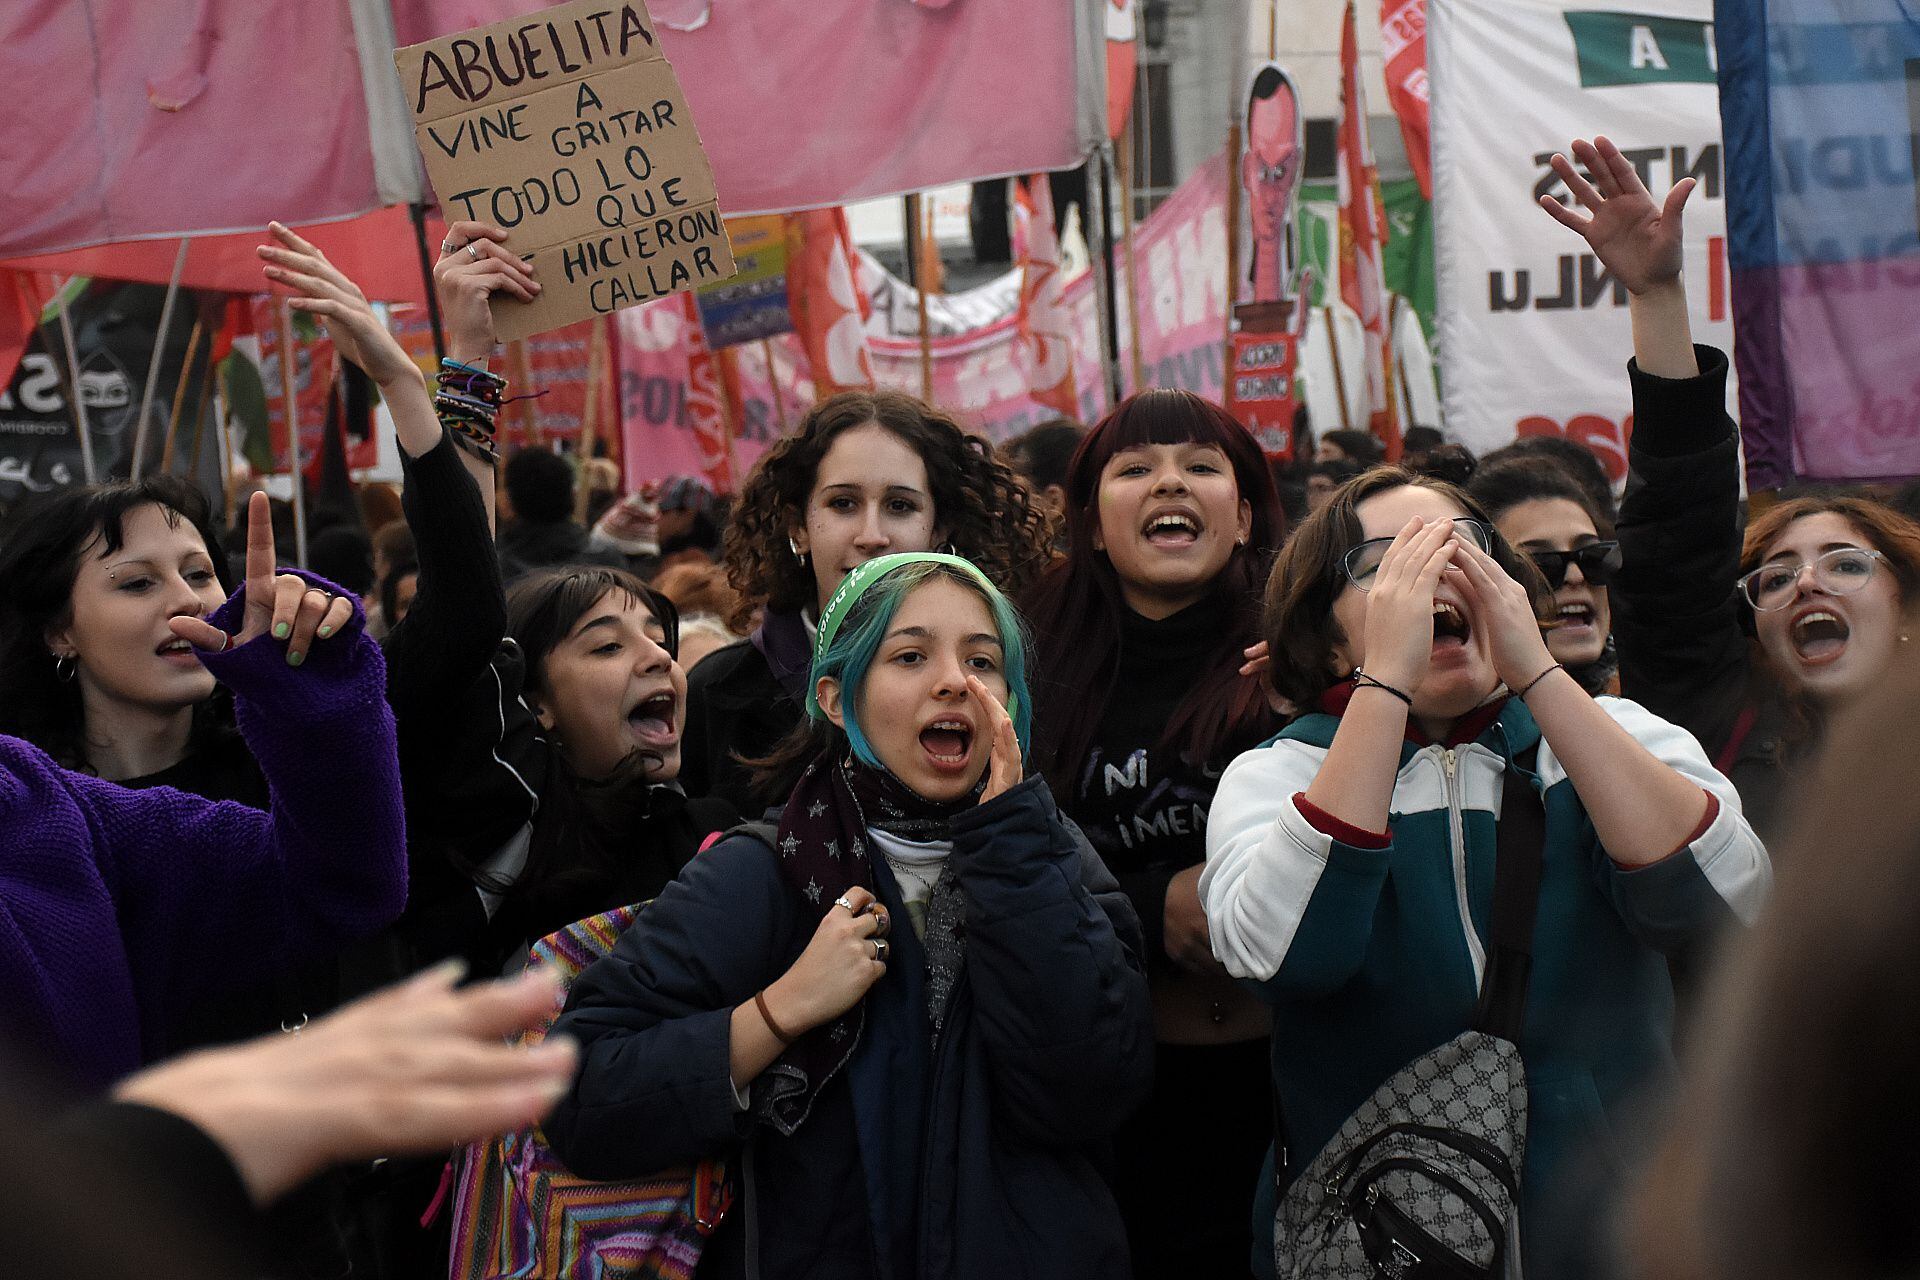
{"x": 568, "y": 129}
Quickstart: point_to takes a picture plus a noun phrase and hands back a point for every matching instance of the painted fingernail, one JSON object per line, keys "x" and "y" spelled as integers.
{"x": 281, "y": 630}
{"x": 325, "y": 632}
{"x": 295, "y": 657}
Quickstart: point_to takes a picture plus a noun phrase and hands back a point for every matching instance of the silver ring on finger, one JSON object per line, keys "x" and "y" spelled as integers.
{"x": 880, "y": 950}
{"x": 843, "y": 901}
{"x": 448, "y": 246}
{"x": 473, "y": 251}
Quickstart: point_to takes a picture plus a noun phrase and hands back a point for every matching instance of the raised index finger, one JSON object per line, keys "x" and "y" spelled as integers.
{"x": 260, "y": 558}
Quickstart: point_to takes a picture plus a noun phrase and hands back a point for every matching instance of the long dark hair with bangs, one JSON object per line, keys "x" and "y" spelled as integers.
{"x": 1075, "y": 611}
{"x": 583, "y": 835}
{"x": 40, "y": 551}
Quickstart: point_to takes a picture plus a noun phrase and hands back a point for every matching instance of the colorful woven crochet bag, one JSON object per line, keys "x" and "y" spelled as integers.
{"x": 518, "y": 1214}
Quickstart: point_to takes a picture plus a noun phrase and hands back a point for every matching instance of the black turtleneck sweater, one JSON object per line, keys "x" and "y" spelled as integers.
{"x": 1144, "y": 806}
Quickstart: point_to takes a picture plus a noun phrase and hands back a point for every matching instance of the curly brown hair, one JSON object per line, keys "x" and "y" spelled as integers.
{"x": 989, "y": 517}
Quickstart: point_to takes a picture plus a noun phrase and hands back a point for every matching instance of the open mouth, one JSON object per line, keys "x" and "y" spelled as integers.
{"x": 1172, "y": 529}
{"x": 1818, "y": 636}
{"x": 1450, "y": 627}
{"x": 947, "y": 743}
{"x": 177, "y": 650}
{"x": 652, "y": 719}
{"x": 1576, "y": 615}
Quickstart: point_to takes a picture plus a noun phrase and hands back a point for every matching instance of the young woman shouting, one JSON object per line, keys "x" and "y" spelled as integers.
{"x": 913, "y": 1009}
{"x": 1350, "y": 862}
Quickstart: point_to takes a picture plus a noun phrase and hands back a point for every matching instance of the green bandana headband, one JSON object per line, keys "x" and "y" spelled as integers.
{"x": 857, "y": 584}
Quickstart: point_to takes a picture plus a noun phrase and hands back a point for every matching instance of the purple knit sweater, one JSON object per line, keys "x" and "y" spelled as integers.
{"x": 118, "y": 907}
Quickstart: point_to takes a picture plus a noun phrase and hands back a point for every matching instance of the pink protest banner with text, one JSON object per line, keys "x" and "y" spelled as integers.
{"x": 983, "y": 375}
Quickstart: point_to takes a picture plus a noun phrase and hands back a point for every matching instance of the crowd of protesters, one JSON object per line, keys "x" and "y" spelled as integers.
{"x": 1045, "y": 849}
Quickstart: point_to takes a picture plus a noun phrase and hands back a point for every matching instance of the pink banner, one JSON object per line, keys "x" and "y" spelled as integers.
{"x": 1180, "y": 273}
{"x": 166, "y": 117}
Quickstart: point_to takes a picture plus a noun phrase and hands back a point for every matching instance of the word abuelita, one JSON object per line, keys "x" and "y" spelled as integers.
{"x": 473, "y": 67}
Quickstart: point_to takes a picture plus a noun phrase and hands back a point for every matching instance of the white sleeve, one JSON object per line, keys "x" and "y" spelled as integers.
{"x": 1728, "y": 853}
{"x": 1263, "y": 858}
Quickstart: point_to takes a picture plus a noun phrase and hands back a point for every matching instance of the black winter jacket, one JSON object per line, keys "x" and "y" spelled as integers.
{"x": 1684, "y": 654}
{"x": 969, "y": 1160}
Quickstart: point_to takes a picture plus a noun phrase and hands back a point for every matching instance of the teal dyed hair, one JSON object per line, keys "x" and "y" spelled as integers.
{"x": 851, "y": 651}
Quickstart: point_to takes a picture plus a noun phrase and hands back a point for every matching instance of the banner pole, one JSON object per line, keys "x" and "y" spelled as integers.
{"x": 200, "y": 413}
{"x": 1233, "y": 253}
{"x": 75, "y": 404}
{"x": 1103, "y": 280}
{"x": 292, "y": 402}
{"x": 419, "y": 213}
{"x": 915, "y": 231}
{"x": 1124, "y": 155}
{"x": 590, "y": 416}
{"x": 153, "y": 363}
{"x": 1339, "y": 375}
{"x": 180, "y": 395}
{"x": 223, "y": 441}
{"x": 773, "y": 383}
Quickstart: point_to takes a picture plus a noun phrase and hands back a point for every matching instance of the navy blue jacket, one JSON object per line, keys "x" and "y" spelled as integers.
{"x": 972, "y": 1161}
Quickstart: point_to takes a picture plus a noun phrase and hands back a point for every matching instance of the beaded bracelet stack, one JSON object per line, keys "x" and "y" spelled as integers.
{"x": 468, "y": 402}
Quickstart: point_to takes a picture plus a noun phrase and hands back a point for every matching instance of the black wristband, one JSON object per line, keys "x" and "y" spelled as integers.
{"x": 1522, "y": 695}
{"x": 1361, "y": 680}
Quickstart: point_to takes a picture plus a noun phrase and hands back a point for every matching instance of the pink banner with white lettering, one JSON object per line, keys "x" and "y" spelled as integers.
{"x": 982, "y": 375}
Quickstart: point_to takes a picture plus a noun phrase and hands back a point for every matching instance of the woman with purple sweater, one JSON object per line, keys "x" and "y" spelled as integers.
{"x": 119, "y": 908}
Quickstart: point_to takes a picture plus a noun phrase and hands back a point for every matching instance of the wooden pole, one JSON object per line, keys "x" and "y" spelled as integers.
{"x": 523, "y": 374}
{"x": 292, "y": 402}
{"x": 1339, "y": 375}
{"x": 75, "y": 404}
{"x": 727, "y": 367}
{"x": 223, "y": 438}
{"x": 180, "y": 394}
{"x": 1136, "y": 361}
{"x": 773, "y": 381}
{"x": 200, "y": 414}
{"x": 916, "y": 229}
{"x": 1233, "y": 253}
{"x": 153, "y": 363}
{"x": 590, "y": 415}
{"x": 1103, "y": 279}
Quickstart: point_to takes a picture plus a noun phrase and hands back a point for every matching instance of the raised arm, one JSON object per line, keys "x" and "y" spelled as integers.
{"x": 1682, "y": 652}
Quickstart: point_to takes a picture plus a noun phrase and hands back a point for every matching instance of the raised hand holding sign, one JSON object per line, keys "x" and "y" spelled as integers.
{"x": 567, "y": 129}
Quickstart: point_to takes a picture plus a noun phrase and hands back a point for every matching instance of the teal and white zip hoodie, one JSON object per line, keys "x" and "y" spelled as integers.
{"x": 1370, "y": 948}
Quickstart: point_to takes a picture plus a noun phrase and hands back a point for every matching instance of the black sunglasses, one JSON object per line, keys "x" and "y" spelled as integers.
{"x": 1598, "y": 562}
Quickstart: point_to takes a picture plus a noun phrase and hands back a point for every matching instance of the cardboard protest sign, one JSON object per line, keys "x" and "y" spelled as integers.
{"x": 568, "y": 129}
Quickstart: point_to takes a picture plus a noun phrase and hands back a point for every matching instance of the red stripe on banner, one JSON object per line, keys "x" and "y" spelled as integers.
{"x": 1716, "y": 278}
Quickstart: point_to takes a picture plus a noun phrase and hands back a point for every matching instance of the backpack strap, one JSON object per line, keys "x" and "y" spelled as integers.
{"x": 1519, "y": 858}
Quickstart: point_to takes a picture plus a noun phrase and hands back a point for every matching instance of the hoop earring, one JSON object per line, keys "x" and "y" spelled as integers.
{"x": 948, "y": 550}
{"x": 65, "y": 667}
{"x": 793, "y": 544}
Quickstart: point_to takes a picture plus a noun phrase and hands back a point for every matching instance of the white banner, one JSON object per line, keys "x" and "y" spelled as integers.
{"x": 1533, "y": 333}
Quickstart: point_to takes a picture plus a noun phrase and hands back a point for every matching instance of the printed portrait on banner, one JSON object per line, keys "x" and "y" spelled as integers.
{"x": 1272, "y": 160}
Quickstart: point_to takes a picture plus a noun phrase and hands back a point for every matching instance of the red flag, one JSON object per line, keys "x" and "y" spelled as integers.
{"x": 829, "y": 307}
{"x": 706, "y": 409}
{"x": 1363, "y": 237}
{"x": 1046, "y": 335}
{"x": 23, "y": 294}
{"x": 1403, "y": 45}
